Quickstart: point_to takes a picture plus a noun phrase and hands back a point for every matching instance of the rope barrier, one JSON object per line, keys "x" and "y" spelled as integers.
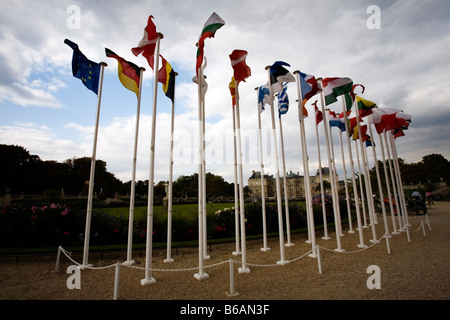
{"x": 117, "y": 265}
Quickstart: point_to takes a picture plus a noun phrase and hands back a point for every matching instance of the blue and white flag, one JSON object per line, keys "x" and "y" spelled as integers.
{"x": 263, "y": 97}
{"x": 283, "y": 101}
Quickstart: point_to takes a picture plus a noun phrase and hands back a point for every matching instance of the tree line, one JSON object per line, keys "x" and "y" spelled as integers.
{"x": 27, "y": 174}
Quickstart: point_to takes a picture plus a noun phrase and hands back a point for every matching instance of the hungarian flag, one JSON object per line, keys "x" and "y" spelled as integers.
{"x": 129, "y": 73}
{"x": 365, "y": 106}
{"x": 213, "y": 24}
{"x": 166, "y": 75}
{"x": 319, "y": 115}
{"x": 147, "y": 44}
{"x": 279, "y": 75}
{"x": 241, "y": 70}
{"x": 334, "y": 87}
{"x": 83, "y": 68}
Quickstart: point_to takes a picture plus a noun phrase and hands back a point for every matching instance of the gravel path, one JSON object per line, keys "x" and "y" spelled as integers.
{"x": 415, "y": 269}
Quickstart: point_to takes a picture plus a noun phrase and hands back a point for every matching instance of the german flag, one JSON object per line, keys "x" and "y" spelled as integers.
{"x": 129, "y": 73}
{"x": 166, "y": 75}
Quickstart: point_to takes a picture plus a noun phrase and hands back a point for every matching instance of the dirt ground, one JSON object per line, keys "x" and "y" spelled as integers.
{"x": 415, "y": 269}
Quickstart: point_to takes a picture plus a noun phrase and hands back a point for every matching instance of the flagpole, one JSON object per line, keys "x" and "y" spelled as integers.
{"x": 380, "y": 190}
{"x": 170, "y": 202}
{"x": 309, "y": 208}
{"x": 394, "y": 188}
{"x": 352, "y": 167}
{"x": 244, "y": 268}
{"x": 388, "y": 187}
{"x": 394, "y": 150}
{"x": 361, "y": 189}
{"x": 324, "y": 210}
{"x": 201, "y": 275}
{"x": 205, "y": 229}
{"x": 236, "y": 192}
{"x": 92, "y": 173}
{"x": 347, "y": 197}
{"x": 338, "y": 226}
{"x": 277, "y": 176}
{"x": 332, "y": 176}
{"x": 130, "y": 261}
{"x": 286, "y": 201}
{"x": 263, "y": 192}
{"x": 149, "y": 244}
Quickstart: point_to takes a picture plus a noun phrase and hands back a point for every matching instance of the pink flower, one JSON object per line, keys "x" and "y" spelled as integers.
{"x": 53, "y": 206}
{"x": 65, "y": 212}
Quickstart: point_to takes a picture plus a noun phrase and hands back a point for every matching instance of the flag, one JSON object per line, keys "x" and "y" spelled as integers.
{"x": 283, "y": 101}
{"x": 166, "y": 75}
{"x": 363, "y": 135}
{"x": 241, "y": 70}
{"x": 319, "y": 115}
{"x": 365, "y": 106}
{"x": 83, "y": 68}
{"x": 213, "y": 24}
{"x": 369, "y": 141}
{"x": 308, "y": 85}
{"x": 128, "y": 72}
{"x": 335, "y": 121}
{"x": 232, "y": 88}
{"x": 148, "y": 42}
{"x": 397, "y": 133}
{"x": 389, "y": 119}
{"x": 263, "y": 96}
{"x": 279, "y": 75}
{"x": 334, "y": 87}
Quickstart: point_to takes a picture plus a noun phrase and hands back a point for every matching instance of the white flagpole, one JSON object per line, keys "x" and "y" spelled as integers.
{"x": 352, "y": 169}
{"x": 388, "y": 187}
{"x": 361, "y": 189}
{"x": 337, "y": 223}
{"x": 277, "y": 176}
{"x": 394, "y": 188}
{"x": 332, "y": 176}
{"x": 201, "y": 275}
{"x": 205, "y": 229}
{"x": 286, "y": 201}
{"x": 324, "y": 210}
{"x": 347, "y": 197}
{"x": 170, "y": 202}
{"x": 394, "y": 150}
{"x": 236, "y": 192}
{"x": 92, "y": 173}
{"x": 149, "y": 244}
{"x": 309, "y": 208}
{"x": 130, "y": 261}
{"x": 380, "y": 190}
{"x": 244, "y": 268}
{"x": 263, "y": 192}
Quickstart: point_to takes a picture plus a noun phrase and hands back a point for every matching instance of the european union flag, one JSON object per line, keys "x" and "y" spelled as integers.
{"x": 83, "y": 68}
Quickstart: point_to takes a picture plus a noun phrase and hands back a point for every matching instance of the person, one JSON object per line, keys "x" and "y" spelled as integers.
{"x": 416, "y": 196}
{"x": 429, "y": 197}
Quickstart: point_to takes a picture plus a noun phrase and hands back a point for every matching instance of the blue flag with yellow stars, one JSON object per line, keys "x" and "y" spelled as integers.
{"x": 83, "y": 68}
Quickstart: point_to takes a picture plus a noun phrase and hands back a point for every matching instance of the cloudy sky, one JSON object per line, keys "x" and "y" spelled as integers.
{"x": 400, "y": 53}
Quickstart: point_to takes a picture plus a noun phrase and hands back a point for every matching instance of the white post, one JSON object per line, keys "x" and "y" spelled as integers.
{"x": 205, "y": 225}
{"x": 116, "y": 281}
{"x": 149, "y": 243}
{"x": 92, "y": 173}
{"x": 352, "y": 169}
{"x": 129, "y": 260}
{"x": 286, "y": 201}
{"x": 263, "y": 192}
{"x": 170, "y": 196}
{"x": 361, "y": 189}
{"x": 332, "y": 176}
{"x": 236, "y": 192}
{"x": 244, "y": 268}
{"x": 277, "y": 176}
